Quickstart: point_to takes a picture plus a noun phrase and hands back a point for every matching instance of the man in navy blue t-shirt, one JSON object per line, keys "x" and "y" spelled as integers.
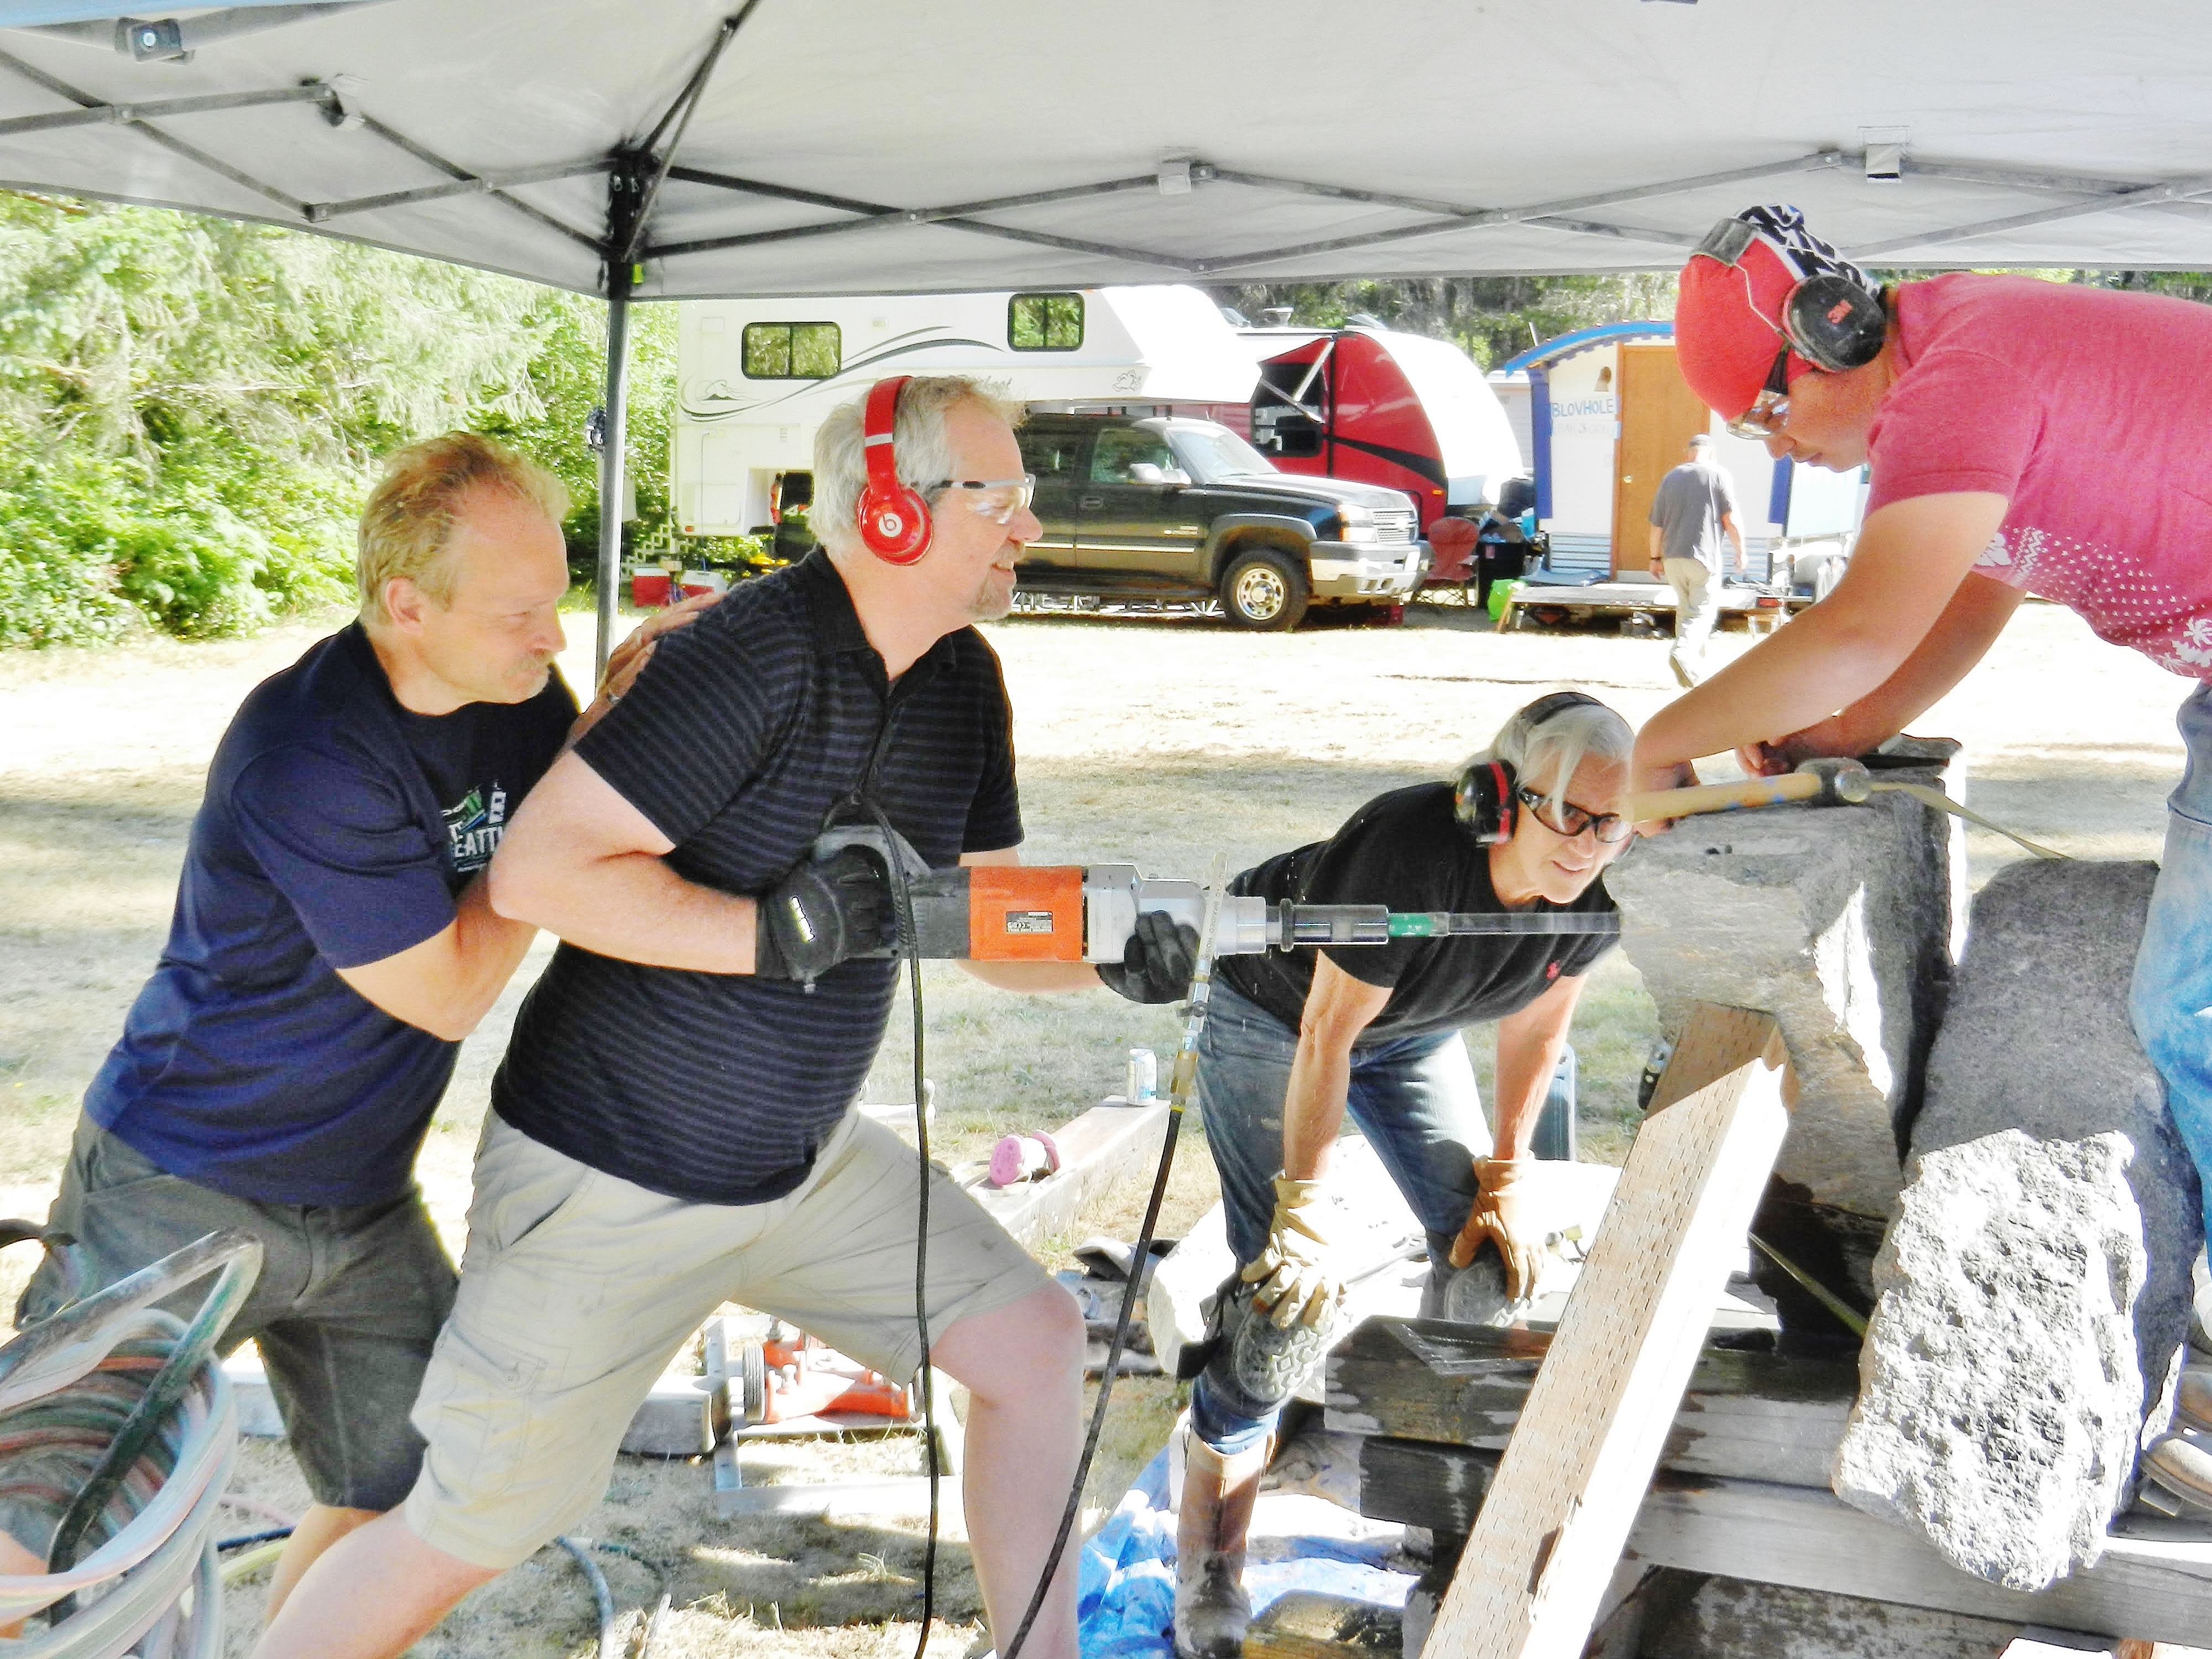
{"x": 331, "y": 945}
{"x": 672, "y": 1123}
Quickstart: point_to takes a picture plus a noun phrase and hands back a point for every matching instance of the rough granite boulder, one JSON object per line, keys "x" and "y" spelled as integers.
{"x": 2035, "y": 1289}
{"x": 1841, "y": 921}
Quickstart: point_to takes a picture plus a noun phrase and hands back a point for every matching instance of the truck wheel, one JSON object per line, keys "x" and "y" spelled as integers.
{"x": 1264, "y": 590}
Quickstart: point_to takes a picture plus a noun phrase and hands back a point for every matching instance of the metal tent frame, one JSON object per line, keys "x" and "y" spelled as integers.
{"x": 870, "y": 146}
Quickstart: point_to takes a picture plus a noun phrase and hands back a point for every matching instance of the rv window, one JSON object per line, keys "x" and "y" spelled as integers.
{"x": 1048, "y": 454}
{"x": 1044, "y": 322}
{"x": 792, "y": 351}
{"x": 1120, "y": 448}
{"x": 1277, "y": 431}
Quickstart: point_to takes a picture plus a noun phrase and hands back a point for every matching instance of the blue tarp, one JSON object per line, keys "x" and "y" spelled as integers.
{"x": 1126, "y": 1580}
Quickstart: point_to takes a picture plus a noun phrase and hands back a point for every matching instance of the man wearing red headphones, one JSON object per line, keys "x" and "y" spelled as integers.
{"x": 671, "y": 1125}
{"x": 2023, "y": 436}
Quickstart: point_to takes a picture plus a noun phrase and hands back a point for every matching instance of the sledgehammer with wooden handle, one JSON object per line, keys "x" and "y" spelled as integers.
{"x": 1823, "y": 782}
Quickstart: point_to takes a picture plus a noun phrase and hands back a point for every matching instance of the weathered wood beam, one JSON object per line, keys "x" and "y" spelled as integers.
{"x": 2153, "y": 1582}
{"x": 1573, "y": 1474}
{"x": 1753, "y": 1416}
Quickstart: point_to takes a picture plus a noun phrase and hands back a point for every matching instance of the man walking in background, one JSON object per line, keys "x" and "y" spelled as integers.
{"x": 1695, "y": 503}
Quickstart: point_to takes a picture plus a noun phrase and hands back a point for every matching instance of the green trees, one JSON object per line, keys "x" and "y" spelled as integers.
{"x": 190, "y": 409}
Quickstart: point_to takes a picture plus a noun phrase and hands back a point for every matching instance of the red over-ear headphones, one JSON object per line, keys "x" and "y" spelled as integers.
{"x": 892, "y": 520}
{"x": 1485, "y": 799}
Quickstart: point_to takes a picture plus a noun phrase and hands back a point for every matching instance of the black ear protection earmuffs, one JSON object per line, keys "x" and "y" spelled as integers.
{"x": 1484, "y": 800}
{"x": 892, "y": 520}
{"x": 1833, "y": 318}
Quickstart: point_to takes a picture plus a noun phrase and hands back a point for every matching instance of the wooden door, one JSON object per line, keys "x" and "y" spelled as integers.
{"x": 1659, "y": 415}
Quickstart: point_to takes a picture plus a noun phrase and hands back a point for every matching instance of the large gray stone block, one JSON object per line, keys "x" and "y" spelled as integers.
{"x": 1840, "y": 922}
{"x": 2000, "y": 1391}
{"x": 2036, "y": 1286}
{"x": 2037, "y": 1037}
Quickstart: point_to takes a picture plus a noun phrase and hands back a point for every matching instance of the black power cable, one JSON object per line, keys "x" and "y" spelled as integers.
{"x": 910, "y": 940}
{"x": 1179, "y": 1092}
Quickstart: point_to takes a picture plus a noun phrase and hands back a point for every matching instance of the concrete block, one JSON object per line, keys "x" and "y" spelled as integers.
{"x": 2036, "y": 1284}
{"x": 677, "y": 1419}
{"x": 257, "y": 1416}
{"x": 1098, "y": 1151}
{"x": 1731, "y": 1618}
{"x": 1841, "y": 921}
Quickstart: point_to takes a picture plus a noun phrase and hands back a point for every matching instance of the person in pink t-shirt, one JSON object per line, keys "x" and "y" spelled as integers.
{"x": 2023, "y": 436}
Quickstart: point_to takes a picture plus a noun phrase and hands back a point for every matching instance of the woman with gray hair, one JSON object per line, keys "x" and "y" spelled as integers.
{"x": 1295, "y": 1040}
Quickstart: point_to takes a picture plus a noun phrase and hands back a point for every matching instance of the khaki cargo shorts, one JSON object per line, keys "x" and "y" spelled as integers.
{"x": 578, "y": 1287}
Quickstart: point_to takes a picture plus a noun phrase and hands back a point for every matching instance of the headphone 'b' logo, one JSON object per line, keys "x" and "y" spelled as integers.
{"x": 890, "y": 524}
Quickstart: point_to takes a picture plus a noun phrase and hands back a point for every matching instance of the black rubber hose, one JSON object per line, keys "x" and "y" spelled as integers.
{"x": 602, "y": 1597}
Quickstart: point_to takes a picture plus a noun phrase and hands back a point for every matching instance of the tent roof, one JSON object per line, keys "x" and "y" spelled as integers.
{"x": 882, "y": 146}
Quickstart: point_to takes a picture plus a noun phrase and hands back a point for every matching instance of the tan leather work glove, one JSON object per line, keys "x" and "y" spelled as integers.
{"x": 1297, "y": 1285}
{"x": 1511, "y": 1208}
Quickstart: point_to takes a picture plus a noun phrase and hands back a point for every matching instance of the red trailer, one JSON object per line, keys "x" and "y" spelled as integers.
{"x": 1383, "y": 407}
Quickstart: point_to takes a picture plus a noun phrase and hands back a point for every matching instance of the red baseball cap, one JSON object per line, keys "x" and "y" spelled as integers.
{"x": 1728, "y": 318}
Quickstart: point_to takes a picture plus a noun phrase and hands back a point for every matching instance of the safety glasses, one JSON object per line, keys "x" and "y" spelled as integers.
{"x": 1570, "y": 820}
{"x": 1771, "y": 407}
{"x": 995, "y": 499}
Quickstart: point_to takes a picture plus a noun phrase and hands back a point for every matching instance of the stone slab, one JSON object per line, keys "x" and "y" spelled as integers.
{"x": 1838, "y": 920}
{"x": 2036, "y": 1286}
{"x": 2000, "y": 1392}
{"x": 2036, "y": 1038}
{"x": 1843, "y": 922}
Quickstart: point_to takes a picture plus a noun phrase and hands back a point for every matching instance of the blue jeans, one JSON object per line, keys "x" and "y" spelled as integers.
{"x": 2170, "y": 1001}
{"x": 1414, "y": 1098}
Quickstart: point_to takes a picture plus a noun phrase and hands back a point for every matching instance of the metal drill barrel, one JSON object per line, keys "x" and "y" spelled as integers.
{"x": 1372, "y": 924}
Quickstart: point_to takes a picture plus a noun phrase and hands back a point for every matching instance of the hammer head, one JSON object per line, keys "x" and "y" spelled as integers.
{"x": 1843, "y": 782}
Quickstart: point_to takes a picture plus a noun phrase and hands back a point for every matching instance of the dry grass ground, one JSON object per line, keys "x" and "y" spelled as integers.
{"x": 1162, "y": 741}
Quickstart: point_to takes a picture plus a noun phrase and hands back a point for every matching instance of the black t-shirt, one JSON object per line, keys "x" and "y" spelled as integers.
{"x": 337, "y": 828}
{"x": 1406, "y": 850}
{"x": 745, "y": 729}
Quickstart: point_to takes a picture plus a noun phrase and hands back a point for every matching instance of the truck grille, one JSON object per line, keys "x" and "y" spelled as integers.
{"x": 1393, "y": 524}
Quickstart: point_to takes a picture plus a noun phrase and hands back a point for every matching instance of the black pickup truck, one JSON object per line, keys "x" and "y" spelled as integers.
{"x": 1170, "y": 508}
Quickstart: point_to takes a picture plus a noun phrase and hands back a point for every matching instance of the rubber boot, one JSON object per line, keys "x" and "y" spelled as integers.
{"x": 1211, "y": 1610}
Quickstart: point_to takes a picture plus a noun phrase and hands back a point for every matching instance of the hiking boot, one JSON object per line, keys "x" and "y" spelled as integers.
{"x": 1211, "y": 1608}
{"x": 2193, "y": 1398}
{"x": 2182, "y": 1466}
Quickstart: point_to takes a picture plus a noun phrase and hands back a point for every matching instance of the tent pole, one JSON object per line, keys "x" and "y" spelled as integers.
{"x": 610, "y": 463}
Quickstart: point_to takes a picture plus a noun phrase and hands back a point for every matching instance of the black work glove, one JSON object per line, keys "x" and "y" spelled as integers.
{"x": 1157, "y": 962}
{"x": 824, "y": 914}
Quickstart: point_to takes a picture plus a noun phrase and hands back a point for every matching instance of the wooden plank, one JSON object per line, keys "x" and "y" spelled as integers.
{"x": 1754, "y": 1416}
{"x": 2153, "y": 1582}
{"x": 1568, "y": 1486}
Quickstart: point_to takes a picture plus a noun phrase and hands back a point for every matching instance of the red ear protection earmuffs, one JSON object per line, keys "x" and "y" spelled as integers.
{"x": 1834, "y": 316}
{"x": 1484, "y": 801}
{"x": 892, "y": 520}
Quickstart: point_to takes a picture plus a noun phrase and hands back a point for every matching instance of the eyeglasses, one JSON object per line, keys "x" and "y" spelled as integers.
{"x": 1571, "y": 820}
{"x": 996, "y": 499}
{"x": 1771, "y": 407}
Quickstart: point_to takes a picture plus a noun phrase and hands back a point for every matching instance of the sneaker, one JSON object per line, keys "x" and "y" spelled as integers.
{"x": 2181, "y": 1465}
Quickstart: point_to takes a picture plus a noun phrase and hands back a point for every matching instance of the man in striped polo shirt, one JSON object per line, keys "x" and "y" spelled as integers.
{"x": 672, "y": 1124}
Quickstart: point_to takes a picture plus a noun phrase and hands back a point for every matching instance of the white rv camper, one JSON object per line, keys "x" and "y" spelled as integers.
{"x": 756, "y": 377}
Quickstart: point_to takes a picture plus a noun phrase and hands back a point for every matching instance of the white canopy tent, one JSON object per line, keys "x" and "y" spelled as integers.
{"x": 672, "y": 148}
